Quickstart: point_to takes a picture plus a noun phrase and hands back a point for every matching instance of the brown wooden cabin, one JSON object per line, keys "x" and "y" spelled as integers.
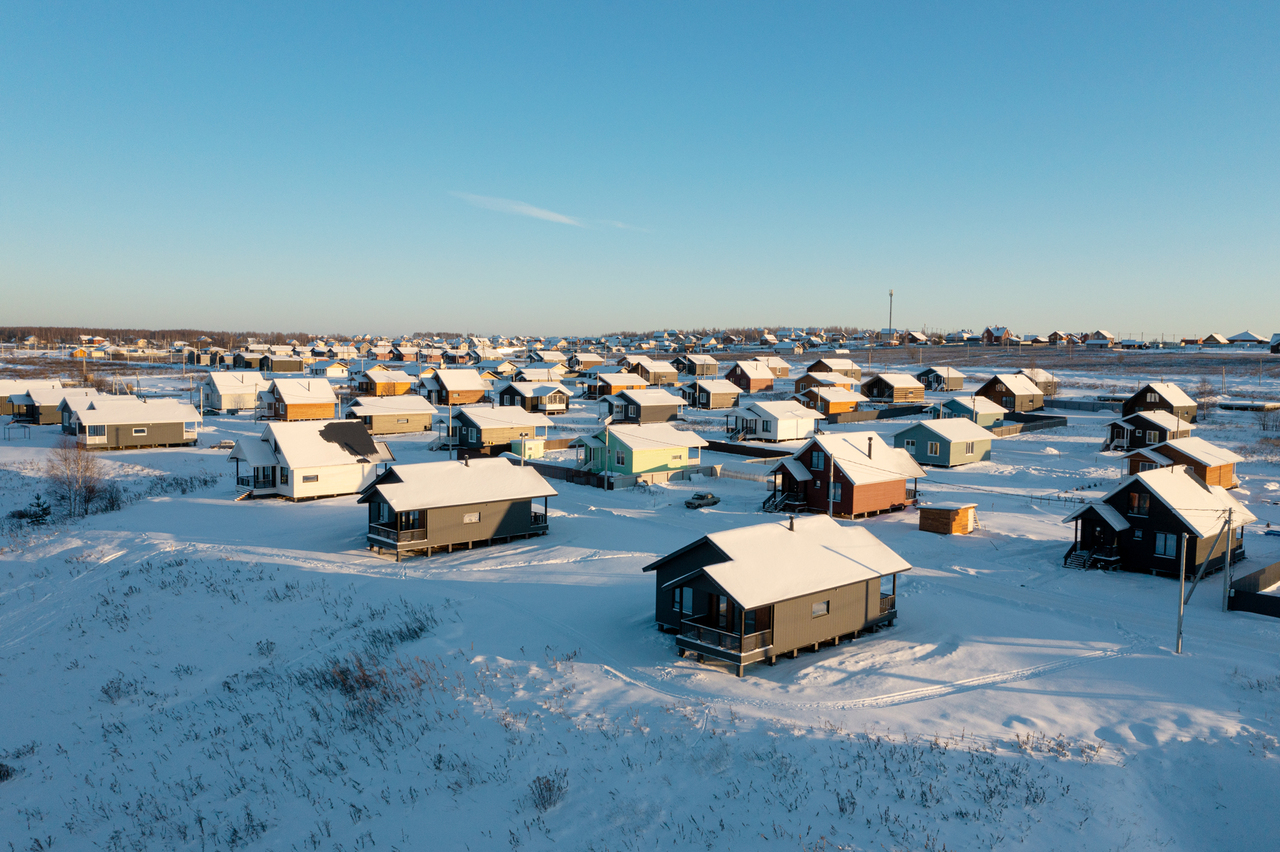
{"x": 761, "y": 592}
{"x": 298, "y": 399}
{"x": 247, "y": 361}
{"x": 1214, "y": 465}
{"x": 394, "y": 414}
{"x": 692, "y": 364}
{"x": 843, "y": 366}
{"x": 1013, "y": 391}
{"x": 601, "y": 385}
{"x": 824, "y": 380}
{"x": 941, "y": 379}
{"x": 1140, "y": 525}
{"x": 949, "y": 518}
{"x": 484, "y": 427}
{"x": 780, "y": 368}
{"x": 281, "y": 364}
{"x": 868, "y": 476}
{"x": 830, "y": 400}
{"x": 383, "y": 383}
{"x": 1161, "y": 396}
{"x": 893, "y": 387}
{"x": 751, "y": 376}
{"x": 456, "y": 386}
{"x": 645, "y": 405}
{"x": 656, "y": 373}
{"x": 434, "y": 506}
{"x": 711, "y": 393}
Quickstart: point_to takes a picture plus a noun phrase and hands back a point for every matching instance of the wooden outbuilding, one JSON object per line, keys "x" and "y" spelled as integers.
{"x": 941, "y": 378}
{"x": 824, "y": 380}
{"x": 893, "y": 387}
{"x": 843, "y": 366}
{"x": 830, "y": 400}
{"x": 949, "y": 518}
{"x": 298, "y": 399}
{"x": 1161, "y": 396}
{"x": 392, "y": 415}
{"x": 711, "y": 393}
{"x": 751, "y": 376}
{"x": 1013, "y": 391}
{"x": 692, "y": 364}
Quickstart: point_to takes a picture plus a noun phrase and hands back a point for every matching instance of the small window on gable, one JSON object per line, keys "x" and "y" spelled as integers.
{"x": 934, "y": 448}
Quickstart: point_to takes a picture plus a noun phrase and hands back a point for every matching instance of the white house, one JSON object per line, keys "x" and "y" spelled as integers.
{"x": 308, "y": 459}
{"x": 226, "y": 391}
{"x": 781, "y": 420}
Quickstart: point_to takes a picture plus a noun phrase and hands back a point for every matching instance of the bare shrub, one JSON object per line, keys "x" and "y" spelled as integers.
{"x": 76, "y": 476}
{"x": 118, "y": 688}
{"x": 547, "y": 791}
{"x": 7, "y": 772}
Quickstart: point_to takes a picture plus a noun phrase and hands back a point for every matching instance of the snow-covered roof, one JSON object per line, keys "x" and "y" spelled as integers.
{"x": 411, "y": 403}
{"x": 824, "y": 378}
{"x": 955, "y": 429}
{"x": 835, "y": 394}
{"x": 946, "y": 372}
{"x": 1201, "y": 507}
{"x": 694, "y": 358}
{"x": 1245, "y": 337}
{"x": 899, "y": 380}
{"x": 504, "y": 417}
{"x": 1113, "y": 518}
{"x": 772, "y": 562}
{"x": 532, "y": 389}
{"x": 836, "y": 364}
{"x": 979, "y": 403}
{"x": 654, "y": 436}
{"x": 1161, "y": 419}
{"x": 41, "y": 396}
{"x": 455, "y": 379}
{"x": 1036, "y": 374}
{"x": 304, "y": 391}
{"x": 388, "y": 377}
{"x": 652, "y": 396}
{"x": 1202, "y": 451}
{"x": 539, "y": 374}
{"x": 621, "y": 379}
{"x": 1019, "y": 384}
{"x": 864, "y": 457}
{"x": 313, "y": 443}
{"x": 133, "y": 410}
{"x": 432, "y": 485}
{"x": 782, "y": 409}
{"x": 1172, "y": 394}
{"x": 717, "y": 386}
{"x": 754, "y": 369}
{"x": 9, "y": 387}
{"x": 773, "y": 362}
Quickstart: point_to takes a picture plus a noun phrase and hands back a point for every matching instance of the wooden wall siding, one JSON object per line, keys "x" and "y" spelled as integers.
{"x": 158, "y": 434}
{"x": 497, "y": 520}
{"x": 748, "y": 385}
{"x": 1223, "y": 474}
{"x": 882, "y": 392}
{"x": 878, "y": 496}
{"x": 44, "y": 415}
{"x": 308, "y": 411}
{"x": 1001, "y": 395}
{"x": 389, "y": 424}
{"x": 715, "y": 400}
{"x": 461, "y": 397}
{"x": 1133, "y": 406}
{"x": 648, "y": 413}
{"x": 948, "y": 521}
{"x": 795, "y": 627}
{"x": 384, "y": 388}
{"x": 854, "y": 500}
{"x": 491, "y": 436}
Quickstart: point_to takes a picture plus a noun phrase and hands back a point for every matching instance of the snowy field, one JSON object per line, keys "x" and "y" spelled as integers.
{"x": 191, "y": 672}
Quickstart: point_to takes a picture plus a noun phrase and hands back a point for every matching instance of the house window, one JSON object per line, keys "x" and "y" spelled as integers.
{"x": 968, "y": 448}
{"x": 1152, "y": 397}
{"x": 722, "y": 610}
{"x": 402, "y": 419}
{"x": 471, "y": 434}
{"x": 311, "y": 477}
{"x": 703, "y": 397}
{"x": 934, "y": 448}
{"x": 471, "y": 518}
{"x": 766, "y": 426}
{"x": 1145, "y": 466}
{"x": 818, "y": 461}
{"x": 411, "y": 520}
{"x": 835, "y": 491}
{"x": 909, "y": 445}
{"x": 820, "y": 609}
{"x": 682, "y": 599}
{"x": 621, "y": 458}
{"x": 99, "y": 431}
{"x": 139, "y": 430}
{"x": 284, "y": 475}
{"x": 506, "y": 399}
{"x": 1152, "y": 437}
{"x": 693, "y": 454}
{"x": 1139, "y": 504}
{"x": 1166, "y": 545}
{"x": 631, "y": 411}
{"x": 1137, "y": 535}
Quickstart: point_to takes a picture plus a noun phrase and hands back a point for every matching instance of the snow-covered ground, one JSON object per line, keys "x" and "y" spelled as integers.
{"x": 192, "y": 672}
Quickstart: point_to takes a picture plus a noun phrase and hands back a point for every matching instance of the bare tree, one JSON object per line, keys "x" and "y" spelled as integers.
{"x": 75, "y": 475}
{"x": 1206, "y": 397}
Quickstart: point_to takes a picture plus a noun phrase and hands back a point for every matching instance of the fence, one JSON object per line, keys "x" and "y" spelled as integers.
{"x": 1247, "y": 595}
{"x": 877, "y": 414}
{"x": 1081, "y": 405}
{"x": 753, "y": 450}
{"x": 1040, "y": 423}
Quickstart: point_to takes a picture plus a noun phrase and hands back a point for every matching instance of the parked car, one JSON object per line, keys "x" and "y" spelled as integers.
{"x": 702, "y": 498}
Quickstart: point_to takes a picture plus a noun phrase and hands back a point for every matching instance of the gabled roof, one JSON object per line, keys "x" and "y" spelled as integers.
{"x": 1170, "y": 392}
{"x": 1019, "y": 384}
{"x": 539, "y": 374}
{"x": 456, "y": 379}
{"x": 754, "y": 369}
{"x": 694, "y": 358}
{"x": 133, "y": 410}
{"x": 504, "y": 417}
{"x": 531, "y": 389}
{"x": 433, "y": 485}
{"x": 1202, "y": 451}
{"x": 834, "y": 394}
{"x": 980, "y": 403}
{"x": 1161, "y": 419}
{"x": 388, "y": 377}
{"x": 1203, "y": 508}
{"x": 772, "y": 562}
{"x": 651, "y": 396}
{"x": 1035, "y": 374}
{"x": 653, "y": 436}
{"x": 896, "y": 380}
{"x": 1114, "y": 519}
{"x": 304, "y": 391}
{"x": 42, "y": 396}
{"x": 836, "y": 364}
{"x": 829, "y": 379}
{"x": 313, "y": 443}
{"x": 850, "y": 453}
{"x": 621, "y": 379}
{"x": 9, "y": 387}
{"x": 954, "y": 429}
{"x": 1215, "y": 338}
{"x": 716, "y": 386}
{"x": 946, "y": 372}
{"x": 408, "y": 402}
{"x": 781, "y": 409}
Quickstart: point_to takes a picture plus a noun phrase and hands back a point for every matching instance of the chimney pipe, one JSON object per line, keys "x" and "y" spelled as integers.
{"x": 791, "y": 522}
{"x": 868, "y": 448}
{"x": 466, "y": 461}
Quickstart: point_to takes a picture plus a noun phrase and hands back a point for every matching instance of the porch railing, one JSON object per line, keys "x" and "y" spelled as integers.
{"x": 255, "y": 484}
{"x": 724, "y": 639}
{"x": 888, "y": 603}
{"x": 539, "y": 519}
{"x": 392, "y": 534}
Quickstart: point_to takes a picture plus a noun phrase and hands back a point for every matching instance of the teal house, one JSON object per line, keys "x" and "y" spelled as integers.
{"x": 945, "y": 443}
{"x": 977, "y": 409}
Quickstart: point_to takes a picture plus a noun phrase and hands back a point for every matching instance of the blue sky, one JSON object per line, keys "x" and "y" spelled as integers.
{"x": 579, "y": 168}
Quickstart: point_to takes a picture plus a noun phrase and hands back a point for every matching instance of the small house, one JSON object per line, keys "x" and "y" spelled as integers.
{"x": 492, "y": 429}
{"x": 941, "y": 379}
{"x": 540, "y": 373}
{"x": 539, "y": 397}
{"x": 893, "y": 387}
{"x": 646, "y": 405}
{"x": 272, "y": 362}
{"x": 1214, "y": 339}
{"x": 769, "y": 590}
{"x": 455, "y": 386}
{"x": 309, "y": 459}
{"x": 945, "y": 443}
{"x": 1214, "y": 465}
{"x": 996, "y": 335}
{"x": 780, "y": 368}
{"x": 298, "y": 399}
{"x": 1161, "y": 396}
{"x": 393, "y": 415}
{"x": 780, "y": 420}
{"x": 656, "y": 373}
{"x": 847, "y": 474}
{"x": 711, "y": 393}
{"x": 601, "y": 385}
{"x": 824, "y": 380}
{"x": 40, "y": 406}
{"x": 977, "y": 409}
{"x": 1275, "y": 344}
{"x": 751, "y": 376}
{"x": 383, "y": 383}
{"x": 247, "y": 361}
{"x": 327, "y": 369}
{"x": 1042, "y": 379}
{"x": 580, "y": 361}
{"x": 421, "y": 508}
{"x": 654, "y": 451}
{"x": 829, "y": 400}
{"x": 1144, "y": 429}
{"x": 949, "y": 518}
{"x": 1013, "y": 391}
{"x": 126, "y": 422}
{"x": 10, "y": 388}
{"x": 693, "y": 364}
{"x": 1164, "y": 521}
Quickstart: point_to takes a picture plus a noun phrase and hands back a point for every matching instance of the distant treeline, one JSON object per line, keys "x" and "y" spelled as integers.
{"x": 224, "y": 339}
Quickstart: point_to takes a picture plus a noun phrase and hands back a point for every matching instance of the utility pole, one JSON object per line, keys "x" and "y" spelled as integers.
{"x": 891, "y": 312}
{"x": 1182, "y": 586}
{"x": 1226, "y": 568}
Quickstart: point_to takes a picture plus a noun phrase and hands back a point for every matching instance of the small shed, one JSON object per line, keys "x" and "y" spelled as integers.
{"x": 949, "y": 518}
